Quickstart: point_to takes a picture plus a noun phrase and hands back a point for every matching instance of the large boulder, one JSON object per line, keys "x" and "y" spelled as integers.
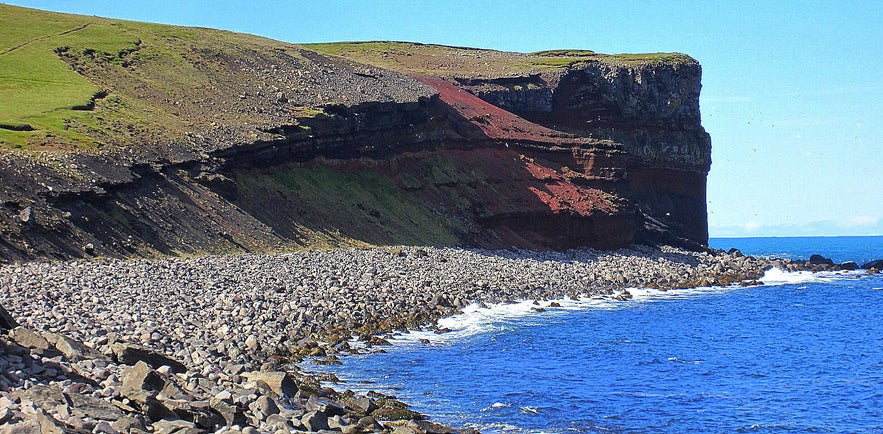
{"x": 817, "y": 259}
{"x": 130, "y": 354}
{"x": 140, "y": 377}
{"x": 280, "y": 382}
{"x": 52, "y": 397}
{"x": 849, "y": 265}
{"x": 73, "y": 349}
{"x": 314, "y": 421}
{"x": 29, "y": 339}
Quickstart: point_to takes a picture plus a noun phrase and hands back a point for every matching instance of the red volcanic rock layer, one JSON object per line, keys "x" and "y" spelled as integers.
{"x": 620, "y": 142}
{"x": 494, "y": 122}
{"x": 594, "y": 154}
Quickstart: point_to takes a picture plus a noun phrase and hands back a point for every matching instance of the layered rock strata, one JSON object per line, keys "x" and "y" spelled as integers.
{"x": 597, "y": 151}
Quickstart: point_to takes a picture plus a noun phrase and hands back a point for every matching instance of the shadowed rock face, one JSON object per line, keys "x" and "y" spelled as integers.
{"x": 596, "y": 153}
{"x": 650, "y": 111}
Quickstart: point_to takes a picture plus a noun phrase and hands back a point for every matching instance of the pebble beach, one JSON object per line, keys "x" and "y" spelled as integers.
{"x": 210, "y": 344}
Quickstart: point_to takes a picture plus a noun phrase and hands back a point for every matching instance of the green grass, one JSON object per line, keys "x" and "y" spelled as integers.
{"x": 414, "y": 57}
{"x": 37, "y": 87}
{"x": 557, "y": 62}
{"x": 650, "y": 57}
{"x": 138, "y": 83}
{"x": 54, "y": 69}
{"x": 566, "y": 53}
{"x": 323, "y": 206}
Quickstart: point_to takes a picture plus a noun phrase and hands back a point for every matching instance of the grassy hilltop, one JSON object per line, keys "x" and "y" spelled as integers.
{"x": 77, "y": 82}
{"x": 71, "y": 82}
{"x": 122, "y": 138}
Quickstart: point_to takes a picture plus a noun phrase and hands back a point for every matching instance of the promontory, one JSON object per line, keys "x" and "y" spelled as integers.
{"x": 125, "y": 139}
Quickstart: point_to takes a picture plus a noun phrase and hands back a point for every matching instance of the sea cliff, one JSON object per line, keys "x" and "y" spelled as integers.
{"x": 193, "y": 141}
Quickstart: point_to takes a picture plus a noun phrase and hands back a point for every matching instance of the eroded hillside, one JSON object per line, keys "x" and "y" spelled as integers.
{"x": 125, "y": 139}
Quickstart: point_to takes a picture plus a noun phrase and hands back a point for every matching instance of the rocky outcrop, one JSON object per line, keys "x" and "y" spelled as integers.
{"x": 650, "y": 110}
{"x": 314, "y": 148}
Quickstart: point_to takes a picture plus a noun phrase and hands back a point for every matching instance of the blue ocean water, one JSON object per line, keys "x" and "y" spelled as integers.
{"x": 802, "y": 355}
{"x": 841, "y": 249}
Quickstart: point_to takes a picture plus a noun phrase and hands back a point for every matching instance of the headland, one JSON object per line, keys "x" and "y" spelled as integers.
{"x": 188, "y": 212}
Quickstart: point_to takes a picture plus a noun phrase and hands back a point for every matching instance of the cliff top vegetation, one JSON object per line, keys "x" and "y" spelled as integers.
{"x": 82, "y": 83}
{"x": 445, "y": 61}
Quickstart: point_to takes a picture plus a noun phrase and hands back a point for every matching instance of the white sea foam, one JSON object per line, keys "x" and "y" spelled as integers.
{"x": 776, "y": 276}
{"x": 497, "y": 427}
{"x": 495, "y": 406}
{"x": 475, "y": 319}
{"x": 530, "y": 410}
{"x": 478, "y": 319}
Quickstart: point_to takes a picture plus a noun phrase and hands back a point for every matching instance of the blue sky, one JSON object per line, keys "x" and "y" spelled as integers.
{"x": 792, "y": 90}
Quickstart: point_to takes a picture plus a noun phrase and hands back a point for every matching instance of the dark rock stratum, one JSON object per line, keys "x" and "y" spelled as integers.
{"x": 374, "y": 143}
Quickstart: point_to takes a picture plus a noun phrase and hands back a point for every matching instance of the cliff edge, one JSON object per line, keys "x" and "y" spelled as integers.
{"x": 133, "y": 139}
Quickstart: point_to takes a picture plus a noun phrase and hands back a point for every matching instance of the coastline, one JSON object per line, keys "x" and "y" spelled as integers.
{"x": 227, "y": 319}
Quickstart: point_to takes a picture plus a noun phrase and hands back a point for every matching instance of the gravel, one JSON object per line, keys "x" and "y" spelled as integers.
{"x": 192, "y": 333}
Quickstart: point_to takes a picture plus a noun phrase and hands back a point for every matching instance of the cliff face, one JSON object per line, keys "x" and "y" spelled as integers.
{"x": 380, "y": 143}
{"x": 650, "y": 111}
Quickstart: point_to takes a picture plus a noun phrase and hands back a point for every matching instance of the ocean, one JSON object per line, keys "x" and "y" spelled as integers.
{"x": 803, "y": 353}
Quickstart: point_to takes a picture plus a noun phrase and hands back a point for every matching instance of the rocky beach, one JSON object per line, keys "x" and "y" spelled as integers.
{"x": 210, "y": 344}
{"x": 189, "y": 216}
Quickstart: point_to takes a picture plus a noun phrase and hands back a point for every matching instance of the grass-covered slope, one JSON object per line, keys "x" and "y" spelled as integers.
{"x": 445, "y": 61}
{"x": 71, "y": 82}
{"x": 41, "y": 93}
{"x": 77, "y": 83}
{"x": 122, "y": 138}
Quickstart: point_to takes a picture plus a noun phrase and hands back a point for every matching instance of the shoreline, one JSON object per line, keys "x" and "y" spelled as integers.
{"x": 226, "y": 319}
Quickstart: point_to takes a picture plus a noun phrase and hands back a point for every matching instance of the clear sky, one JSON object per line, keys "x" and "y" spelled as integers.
{"x": 792, "y": 90}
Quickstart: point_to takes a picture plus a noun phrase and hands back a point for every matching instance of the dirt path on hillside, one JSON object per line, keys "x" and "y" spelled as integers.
{"x": 43, "y": 38}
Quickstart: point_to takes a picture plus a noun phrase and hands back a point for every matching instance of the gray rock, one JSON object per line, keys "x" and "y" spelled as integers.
{"x": 233, "y": 414}
{"x": 29, "y": 426}
{"x": 252, "y": 343}
{"x": 106, "y": 428}
{"x": 5, "y": 415}
{"x": 369, "y": 424}
{"x": 279, "y": 381}
{"x": 361, "y": 405}
{"x": 130, "y": 354}
{"x": 817, "y": 259}
{"x": 141, "y": 377}
{"x": 336, "y": 422}
{"x": 129, "y": 424}
{"x": 266, "y": 406}
{"x": 326, "y": 406}
{"x": 48, "y": 425}
{"x": 71, "y": 348}
{"x": 279, "y": 422}
{"x": 51, "y": 397}
{"x": 28, "y": 338}
{"x": 314, "y": 421}
{"x": 175, "y": 426}
{"x": 199, "y": 412}
{"x": 26, "y": 215}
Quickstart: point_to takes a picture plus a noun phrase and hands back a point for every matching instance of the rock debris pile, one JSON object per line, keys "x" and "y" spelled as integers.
{"x": 208, "y": 344}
